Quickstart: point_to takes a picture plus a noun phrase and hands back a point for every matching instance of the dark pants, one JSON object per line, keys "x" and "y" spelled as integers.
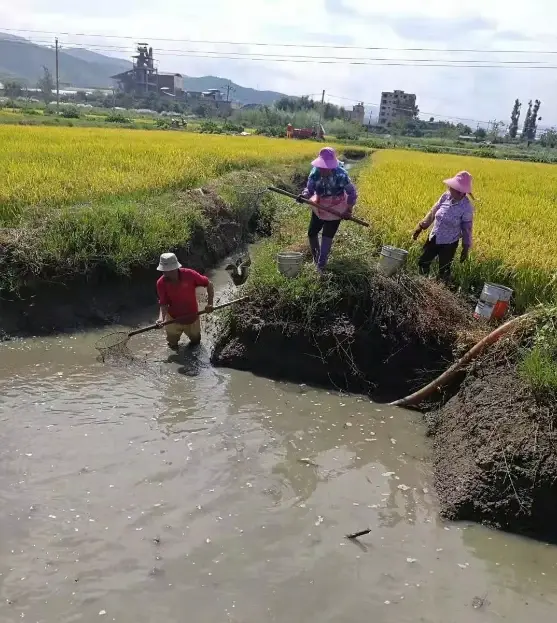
{"x": 317, "y": 224}
{"x": 445, "y": 253}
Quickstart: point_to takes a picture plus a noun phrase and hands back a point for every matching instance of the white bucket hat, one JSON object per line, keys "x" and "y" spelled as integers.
{"x": 168, "y": 262}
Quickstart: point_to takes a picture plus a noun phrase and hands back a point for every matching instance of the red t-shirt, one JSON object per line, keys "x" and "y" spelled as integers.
{"x": 180, "y": 296}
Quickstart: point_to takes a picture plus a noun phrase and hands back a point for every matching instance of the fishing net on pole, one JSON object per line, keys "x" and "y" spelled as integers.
{"x": 114, "y": 346}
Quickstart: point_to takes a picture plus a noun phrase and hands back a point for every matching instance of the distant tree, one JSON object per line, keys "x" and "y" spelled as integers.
{"x": 480, "y": 134}
{"x": 515, "y": 116}
{"x": 70, "y": 112}
{"x": 549, "y": 139}
{"x": 289, "y": 104}
{"x": 13, "y": 88}
{"x": 201, "y": 111}
{"x": 121, "y": 99}
{"x": 533, "y": 127}
{"x": 46, "y": 85}
{"x": 463, "y": 129}
{"x": 431, "y": 119}
{"x": 330, "y": 111}
{"x": 527, "y": 121}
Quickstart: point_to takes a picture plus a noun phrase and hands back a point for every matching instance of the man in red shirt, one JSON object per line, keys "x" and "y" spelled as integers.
{"x": 177, "y": 300}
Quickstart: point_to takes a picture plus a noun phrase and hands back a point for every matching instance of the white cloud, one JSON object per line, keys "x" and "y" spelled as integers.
{"x": 466, "y": 92}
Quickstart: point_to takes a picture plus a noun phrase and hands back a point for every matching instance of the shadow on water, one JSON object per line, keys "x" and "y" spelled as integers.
{"x": 190, "y": 360}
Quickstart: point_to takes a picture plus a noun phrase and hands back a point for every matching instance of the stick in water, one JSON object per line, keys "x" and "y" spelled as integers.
{"x": 355, "y": 535}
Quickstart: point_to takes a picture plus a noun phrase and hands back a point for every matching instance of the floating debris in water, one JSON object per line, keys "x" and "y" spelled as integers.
{"x": 403, "y": 487}
{"x": 308, "y": 462}
{"x": 348, "y": 425}
{"x": 480, "y": 602}
{"x": 102, "y": 613}
{"x": 319, "y": 520}
{"x": 411, "y": 560}
{"x": 355, "y": 535}
{"x": 393, "y": 441}
{"x": 387, "y": 474}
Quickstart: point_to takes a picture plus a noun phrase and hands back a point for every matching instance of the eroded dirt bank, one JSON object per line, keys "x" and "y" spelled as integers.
{"x": 379, "y": 339}
{"x": 493, "y": 438}
{"x": 233, "y": 210}
{"x": 494, "y": 450}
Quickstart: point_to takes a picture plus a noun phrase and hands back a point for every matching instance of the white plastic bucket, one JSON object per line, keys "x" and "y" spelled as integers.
{"x": 494, "y": 302}
{"x": 290, "y": 263}
{"x": 391, "y": 260}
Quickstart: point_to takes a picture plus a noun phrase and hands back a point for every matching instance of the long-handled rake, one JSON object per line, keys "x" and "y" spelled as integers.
{"x": 115, "y": 343}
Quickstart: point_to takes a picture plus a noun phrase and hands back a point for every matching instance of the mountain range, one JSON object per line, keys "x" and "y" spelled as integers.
{"x": 23, "y": 60}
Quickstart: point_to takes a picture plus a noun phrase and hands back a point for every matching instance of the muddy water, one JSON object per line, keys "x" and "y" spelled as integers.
{"x": 169, "y": 491}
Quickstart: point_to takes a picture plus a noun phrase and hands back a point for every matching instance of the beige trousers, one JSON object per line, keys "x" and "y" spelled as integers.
{"x": 174, "y": 332}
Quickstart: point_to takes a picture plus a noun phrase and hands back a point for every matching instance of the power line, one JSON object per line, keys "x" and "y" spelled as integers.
{"x": 281, "y": 45}
{"x": 320, "y": 60}
{"x": 245, "y": 56}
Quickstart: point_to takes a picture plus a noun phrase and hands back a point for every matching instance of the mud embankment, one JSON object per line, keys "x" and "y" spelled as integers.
{"x": 494, "y": 453}
{"x": 376, "y": 341}
{"x": 494, "y": 449}
{"x": 54, "y": 301}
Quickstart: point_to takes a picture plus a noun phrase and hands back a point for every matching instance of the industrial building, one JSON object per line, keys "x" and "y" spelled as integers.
{"x": 144, "y": 78}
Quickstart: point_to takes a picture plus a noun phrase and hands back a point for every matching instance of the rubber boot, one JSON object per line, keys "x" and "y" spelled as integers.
{"x": 314, "y": 246}
{"x": 326, "y": 244}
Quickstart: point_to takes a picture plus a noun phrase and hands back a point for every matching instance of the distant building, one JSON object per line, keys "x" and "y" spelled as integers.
{"x": 396, "y": 105}
{"x": 213, "y": 94}
{"x": 144, "y": 77}
{"x": 171, "y": 83}
{"x": 357, "y": 113}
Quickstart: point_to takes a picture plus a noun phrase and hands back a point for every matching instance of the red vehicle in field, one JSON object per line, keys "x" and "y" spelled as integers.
{"x": 317, "y": 132}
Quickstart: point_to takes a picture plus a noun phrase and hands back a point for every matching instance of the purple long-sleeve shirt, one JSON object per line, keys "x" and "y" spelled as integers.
{"x": 451, "y": 220}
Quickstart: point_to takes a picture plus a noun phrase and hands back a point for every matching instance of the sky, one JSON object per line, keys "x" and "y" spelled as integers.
{"x": 470, "y": 93}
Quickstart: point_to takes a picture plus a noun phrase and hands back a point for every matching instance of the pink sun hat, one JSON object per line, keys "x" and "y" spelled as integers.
{"x": 461, "y": 181}
{"x": 327, "y": 159}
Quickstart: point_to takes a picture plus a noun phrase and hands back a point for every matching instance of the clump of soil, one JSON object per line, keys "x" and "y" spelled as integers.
{"x": 361, "y": 332}
{"x": 495, "y": 456}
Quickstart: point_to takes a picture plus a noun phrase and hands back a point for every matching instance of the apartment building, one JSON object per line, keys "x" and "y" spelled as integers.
{"x": 396, "y": 105}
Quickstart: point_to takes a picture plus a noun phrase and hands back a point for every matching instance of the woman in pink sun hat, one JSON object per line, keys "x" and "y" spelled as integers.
{"x": 330, "y": 186}
{"x": 452, "y": 218}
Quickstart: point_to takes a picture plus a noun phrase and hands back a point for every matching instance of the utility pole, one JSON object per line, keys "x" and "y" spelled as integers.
{"x": 57, "y": 80}
{"x": 228, "y": 89}
{"x": 322, "y": 106}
